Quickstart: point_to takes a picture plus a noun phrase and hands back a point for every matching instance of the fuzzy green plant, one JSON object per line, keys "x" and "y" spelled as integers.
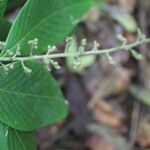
{"x": 30, "y": 98}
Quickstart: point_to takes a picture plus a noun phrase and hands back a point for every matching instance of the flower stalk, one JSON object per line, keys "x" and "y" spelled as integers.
{"x": 126, "y": 47}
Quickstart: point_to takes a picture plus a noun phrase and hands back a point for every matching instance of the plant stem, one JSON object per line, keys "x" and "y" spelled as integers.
{"x": 126, "y": 47}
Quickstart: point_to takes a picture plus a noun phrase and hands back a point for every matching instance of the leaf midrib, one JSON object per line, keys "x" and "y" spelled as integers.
{"x": 43, "y": 20}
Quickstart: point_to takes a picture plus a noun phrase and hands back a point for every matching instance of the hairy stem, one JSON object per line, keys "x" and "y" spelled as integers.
{"x": 126, "y": 47}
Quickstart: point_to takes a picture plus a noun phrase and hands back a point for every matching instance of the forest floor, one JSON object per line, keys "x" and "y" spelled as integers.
{"x": 107, "y": 111}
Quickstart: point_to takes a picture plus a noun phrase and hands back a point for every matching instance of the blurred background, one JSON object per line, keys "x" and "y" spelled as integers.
{"x": 109, "y": 104}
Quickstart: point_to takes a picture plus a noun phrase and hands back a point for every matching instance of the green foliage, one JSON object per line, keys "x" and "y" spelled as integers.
{"x": 49, "y": 27}
{"x": 30, "y": 101}
{"x": 11, "y": 139}
{"x": 29, "y": 96}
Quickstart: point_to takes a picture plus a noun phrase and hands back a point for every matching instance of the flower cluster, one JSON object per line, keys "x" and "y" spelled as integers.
{"x": 48, "y": 59}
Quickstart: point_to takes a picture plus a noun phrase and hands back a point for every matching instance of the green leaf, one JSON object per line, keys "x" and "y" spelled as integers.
{"x": 28, "y": 102}
{"x": 71, "y": 61}
{"x": 143, "y": 95}
{"x": 126, "y": 20}
{"x": 11, "y": 139}
{"x": 2, "y": 7}
{"x": 5, "y": 26}
{"x": 48, "y": 20}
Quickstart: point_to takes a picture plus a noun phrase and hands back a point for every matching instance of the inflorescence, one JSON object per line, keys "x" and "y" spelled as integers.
{"x": 48, "y": 58}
